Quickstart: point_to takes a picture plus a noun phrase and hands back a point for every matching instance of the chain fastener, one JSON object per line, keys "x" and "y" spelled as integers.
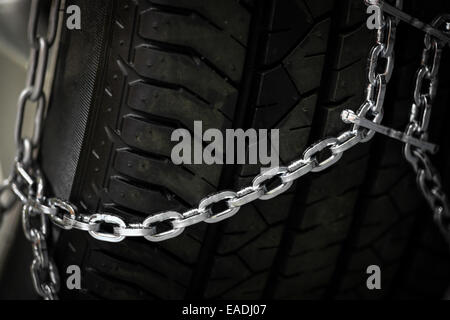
{"x": 349, "y": 116}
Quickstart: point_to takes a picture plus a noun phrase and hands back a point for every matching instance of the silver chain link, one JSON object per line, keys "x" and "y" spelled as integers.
{"x": 428, "y": 178}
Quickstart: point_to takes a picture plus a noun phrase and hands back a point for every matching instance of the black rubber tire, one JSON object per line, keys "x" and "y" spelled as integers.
{"x": 140, "y": 69}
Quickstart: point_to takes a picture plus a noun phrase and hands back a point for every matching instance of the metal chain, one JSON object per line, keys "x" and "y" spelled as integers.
{"x": 27, "y": 183}
{"x": 428, "y": 178}
{"x": 26, "y": 180}
{"x": 218, "y": 206}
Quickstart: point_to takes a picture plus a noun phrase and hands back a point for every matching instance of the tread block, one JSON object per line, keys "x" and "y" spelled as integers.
{"x": 141, "y": 199}
{"x": 229, "y": 16}
{"x": 195, "y": 34}
{"x": 148, "y": 137}
{"x": 288, "y": 26}
{"x": 176, "y": 104}
{"x": 182, "y": 70}
{"x": 131, "y": 272}
{"x": 163, "y": 173}
{"x": 302, "y": 62}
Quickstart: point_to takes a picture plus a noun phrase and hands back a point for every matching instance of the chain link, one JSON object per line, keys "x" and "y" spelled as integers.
{"x": 428, "y": 179}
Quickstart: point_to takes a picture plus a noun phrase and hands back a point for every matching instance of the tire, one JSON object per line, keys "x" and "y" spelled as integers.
{"x": 140, "y": 69}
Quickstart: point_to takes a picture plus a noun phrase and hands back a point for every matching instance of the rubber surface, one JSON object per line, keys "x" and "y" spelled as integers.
{"x": 292, "y": 65}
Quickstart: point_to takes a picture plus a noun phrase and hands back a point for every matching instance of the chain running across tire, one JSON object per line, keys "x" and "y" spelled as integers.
{"x": 66, "y": 216}
{"x": 27, "y": 182}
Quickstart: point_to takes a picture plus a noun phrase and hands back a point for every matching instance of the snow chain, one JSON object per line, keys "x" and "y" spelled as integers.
{"x": 428, "y": 178}
{"x": 26, "y": 181}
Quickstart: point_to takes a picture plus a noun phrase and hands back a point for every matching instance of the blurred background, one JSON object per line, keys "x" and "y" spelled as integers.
{"x": 15, "y": 252}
